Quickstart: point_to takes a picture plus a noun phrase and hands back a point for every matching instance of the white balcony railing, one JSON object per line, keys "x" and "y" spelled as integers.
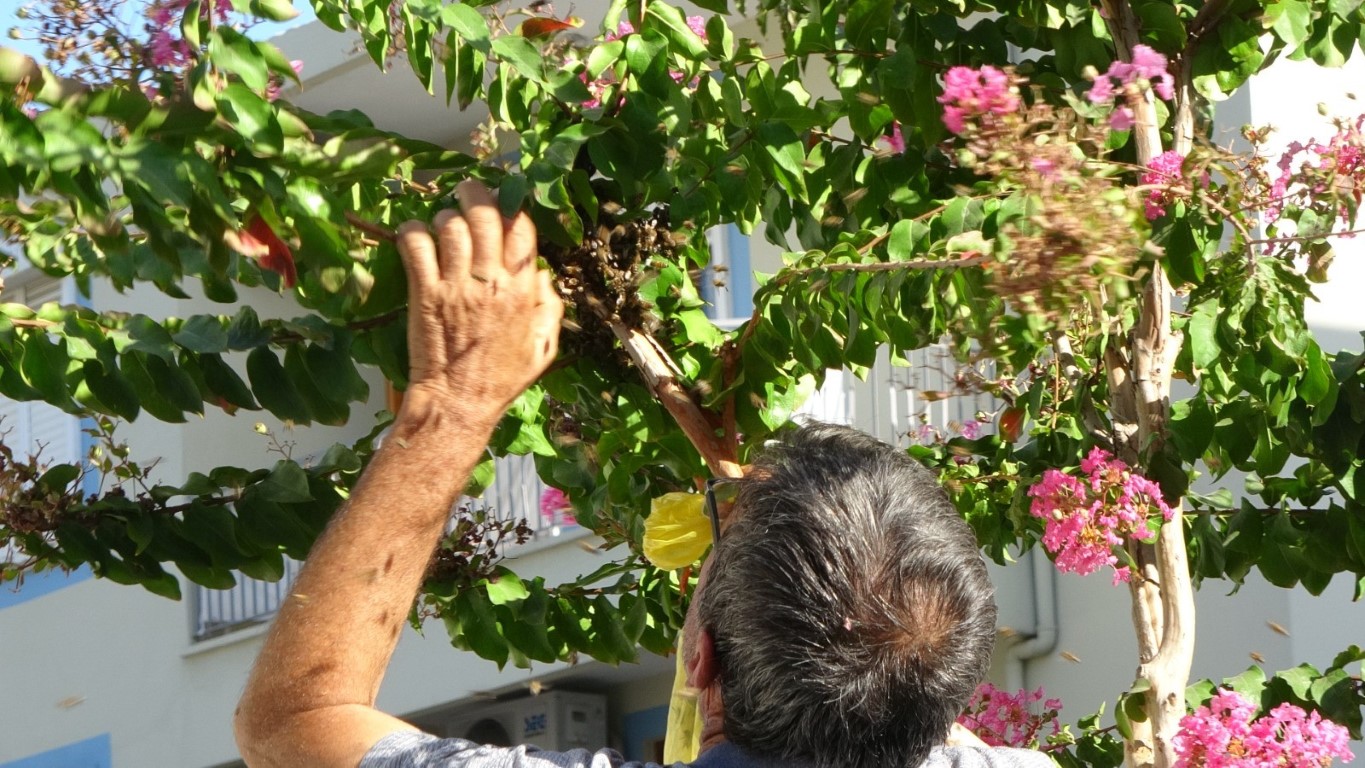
{"x": 893, "y": 403}
{"x": 514, "y": 495}
{"x": 896, "y": 403}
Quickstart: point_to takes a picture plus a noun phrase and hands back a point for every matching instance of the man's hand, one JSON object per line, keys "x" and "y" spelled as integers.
{"x": 483, "y": 320}
{"x": 483, "y": 323}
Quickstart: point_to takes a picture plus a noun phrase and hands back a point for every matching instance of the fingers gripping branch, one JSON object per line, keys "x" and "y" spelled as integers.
{"x": 483, "y": 321}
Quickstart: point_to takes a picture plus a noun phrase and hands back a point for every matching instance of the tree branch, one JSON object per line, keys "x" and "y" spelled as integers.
{"x": 661, "y": 376}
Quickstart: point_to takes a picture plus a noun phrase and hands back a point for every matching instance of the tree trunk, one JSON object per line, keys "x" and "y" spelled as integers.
{"x": 1139, "y": 371}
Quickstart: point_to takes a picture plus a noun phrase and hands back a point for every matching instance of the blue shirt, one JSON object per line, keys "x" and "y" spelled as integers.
{"x": 421, "y": 750}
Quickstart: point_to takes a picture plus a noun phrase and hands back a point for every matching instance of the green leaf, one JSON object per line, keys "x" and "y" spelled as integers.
{"x": 112, "y": 389}
{"x": 287, "y": 483}
{"x": 233, "y": 52}
{"x": 563, "y": 149}
{"x": 521, "y": 54}
{"x": 867, "y": 23}
{"x": 505, "y": 587}
{"x": 335, "y": 375}
{"x": 1203, "y": 336}
{"x": 175, "y": 385}
{"x": 609, "y": 632}
{"x": 214, "y": 530}
{"x": 467, "y": 22}
{"x": 1291, "y": 20}
{"x": 781, "y": 144}
{"x": 44, "y": 368}
{"x": 1299, "y": 679}
{"x": 252, "y": 116}
{"x": 245, "y": 331}
{"x": 57, "y": 478}
{"x": 134, "y": 367}
{"x": 784, "y": 398}
{"x": 207, "y": 576}
{"x": 203, "y": 334}
{"x": 223, "y": 382}
{"x": 478, "y": 626}
{"x": 268, "y": 521}
{"x": 681, "y": 38}
{"x": 274, "y": 10}
{"x": 1250, "y": 683}
{"x": 530, "y": 632}
{"x": 273, "y": 387}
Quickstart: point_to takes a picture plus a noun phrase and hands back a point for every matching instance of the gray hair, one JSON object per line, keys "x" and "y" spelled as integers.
{"x": 850, "y": 607}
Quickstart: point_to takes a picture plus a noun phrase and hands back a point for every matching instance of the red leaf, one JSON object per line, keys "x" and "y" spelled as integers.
{"x": 544, "y": 26}
{"x": 1011, "y": 423}
{"x": 258, "y": 241}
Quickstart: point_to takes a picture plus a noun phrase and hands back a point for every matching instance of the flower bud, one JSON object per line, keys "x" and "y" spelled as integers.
{"x": 1090, "y": 73}
{"x": 1323, "y": 109}
{"x": 15, "y": 34}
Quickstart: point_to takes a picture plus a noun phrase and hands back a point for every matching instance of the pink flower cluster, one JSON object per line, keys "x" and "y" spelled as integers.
{"x": 1225, "y": 734}
{"x": 1315, "y": 167}
{"x": 598, "y": 87}
{"x": 895, "y": 141}
{"x": 272, "y": 91}
{"x": 1003, "y": 720}
{"x": 1088, "y": 517}
{"x": 1129, "y": 79}
{"x": 554, "y": 508}
{"x": 1164, "y": 169}
{"x": 165, "y": 47}
{"x": 970, "y": 94}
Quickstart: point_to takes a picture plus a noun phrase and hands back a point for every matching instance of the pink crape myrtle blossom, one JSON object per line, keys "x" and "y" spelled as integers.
{"x": 598, "y": 88}
{"x": 895, "y": 141}
{"x": 925, "y": 434}
{"x": 1003, "y": 719}
{"x": 555, "y": 508}
{"x": 1087, "y": 518}
{"x": 1313, "y": 168}
{"x": 1164, "y": 169}
{"x": 165, "y": 48}
{"x": 1226, "y": 734}
{"x": 1128, "y": 80}
{"x": 272, "y": 91}
{"x": 970, "y": 94}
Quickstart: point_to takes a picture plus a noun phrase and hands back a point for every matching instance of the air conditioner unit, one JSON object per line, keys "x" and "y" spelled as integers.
{"x": 555, "y": 720}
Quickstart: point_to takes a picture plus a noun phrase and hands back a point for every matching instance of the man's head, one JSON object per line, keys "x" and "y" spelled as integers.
{"x": 849, "y": 608}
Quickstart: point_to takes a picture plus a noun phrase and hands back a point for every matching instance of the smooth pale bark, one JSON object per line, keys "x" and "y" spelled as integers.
{"x": 1139, "y": 371}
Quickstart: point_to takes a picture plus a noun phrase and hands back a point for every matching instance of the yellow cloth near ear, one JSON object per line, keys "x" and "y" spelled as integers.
{"x": 677, "y": 531}
{"x": 677, "y": 534}
{"x": 682, "y": 741}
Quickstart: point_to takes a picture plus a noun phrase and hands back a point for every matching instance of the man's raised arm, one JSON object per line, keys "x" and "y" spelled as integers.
{"x": 483, "y": 324}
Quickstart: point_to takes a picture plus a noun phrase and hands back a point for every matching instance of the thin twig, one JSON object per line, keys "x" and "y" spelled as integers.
{"x": 370, "y": 228}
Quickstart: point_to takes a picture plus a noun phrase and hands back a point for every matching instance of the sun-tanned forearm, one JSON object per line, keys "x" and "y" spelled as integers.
{"x": 346, "y": 610}
{"x": 483, "y": 324}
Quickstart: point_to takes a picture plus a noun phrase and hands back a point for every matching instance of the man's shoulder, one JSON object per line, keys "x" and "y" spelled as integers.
{"x": 422, "y": 750}
{"x": 986, "y": 757}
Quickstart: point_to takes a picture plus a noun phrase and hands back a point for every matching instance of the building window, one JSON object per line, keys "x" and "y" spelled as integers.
{"x": 727, "y": 283}
{"x": 36, "y": 428}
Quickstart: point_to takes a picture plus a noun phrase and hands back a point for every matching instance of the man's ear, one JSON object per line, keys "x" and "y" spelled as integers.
{"x": 701, "y": 663}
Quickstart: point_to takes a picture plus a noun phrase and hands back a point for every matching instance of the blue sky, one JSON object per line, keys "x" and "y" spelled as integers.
{"x": 9, "y": 18}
